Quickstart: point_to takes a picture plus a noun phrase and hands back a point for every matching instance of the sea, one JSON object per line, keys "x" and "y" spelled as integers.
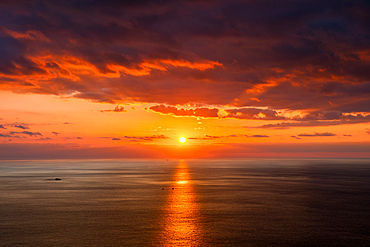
{"x": 205, "y": 202}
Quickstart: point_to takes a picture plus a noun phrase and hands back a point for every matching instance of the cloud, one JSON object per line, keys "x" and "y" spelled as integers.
{"x": 312, "y": 56}
{"x": 29, "y": 133}
{"x": 287, "y": 125}
{"x": 55, "y": 133}
{"x": 317, "y": 134}
{"x": 239, "y": 113}
{"x": 296, "y": 137}
{"x": 137, "y": 138}
{"x": 146, "y": 138}
{"x": 368, "y": 131}
{"x": 256, "y": 136}
{"x": 253, "y": 113}
{"x": 197, "y": 112}
{"x": 20, "y": 126}
{"x": 116, "y": 109}
{"x": 206, "y": 137}
{"x": 44, "y": 139}
{"x": 211, "y": 137}
{"x": 2, "y": 127}
{"x": 311, "y": 120}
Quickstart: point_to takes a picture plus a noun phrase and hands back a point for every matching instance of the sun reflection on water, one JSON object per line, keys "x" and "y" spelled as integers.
{"x": 181, "y": 221}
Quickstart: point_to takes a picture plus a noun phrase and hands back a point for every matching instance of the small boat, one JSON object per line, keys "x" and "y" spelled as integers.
{"x": 58, "y": 179}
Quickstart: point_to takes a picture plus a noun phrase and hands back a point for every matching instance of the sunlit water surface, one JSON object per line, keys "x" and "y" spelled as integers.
{"x": 252, "y": 202}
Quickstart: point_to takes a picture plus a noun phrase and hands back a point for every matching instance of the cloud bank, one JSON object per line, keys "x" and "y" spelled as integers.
{"x": 313, "y": 56}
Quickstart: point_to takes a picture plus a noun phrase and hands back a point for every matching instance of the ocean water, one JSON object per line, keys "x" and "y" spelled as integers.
{"x": 255, "y": 202}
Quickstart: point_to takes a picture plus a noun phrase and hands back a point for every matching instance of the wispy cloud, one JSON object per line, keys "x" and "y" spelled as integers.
{"x": 317, "y": 134}
{"x": 20, "y": 126}
{"x": 137, "y": 138}
{"x": 29, "y": 133}
{"x": 116, "y": 109}
{"x": 147, "y": 138}
{"x": 257, "y": 136}
{"x": 44, "y": 139}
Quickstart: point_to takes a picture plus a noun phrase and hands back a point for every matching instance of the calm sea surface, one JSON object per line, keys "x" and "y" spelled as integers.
{"x": 256, "y": 202}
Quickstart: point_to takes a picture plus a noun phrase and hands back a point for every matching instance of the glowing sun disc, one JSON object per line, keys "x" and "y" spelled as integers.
{"x": 182, "y": 139}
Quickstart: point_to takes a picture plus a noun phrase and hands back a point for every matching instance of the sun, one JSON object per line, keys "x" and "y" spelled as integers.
{"x": 182, "y": 139}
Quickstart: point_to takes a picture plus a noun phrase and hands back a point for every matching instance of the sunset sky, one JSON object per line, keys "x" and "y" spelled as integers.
{"x": 127, "y": 79}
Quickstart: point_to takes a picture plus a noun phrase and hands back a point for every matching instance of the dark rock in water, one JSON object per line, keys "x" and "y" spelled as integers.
{"x": 162, "y": 188}
{"x": 173, "y": 188}
{"x": 58, "y": 179}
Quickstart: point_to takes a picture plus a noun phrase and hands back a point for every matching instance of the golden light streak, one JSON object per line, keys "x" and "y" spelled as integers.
{"x": 182, "y": 219}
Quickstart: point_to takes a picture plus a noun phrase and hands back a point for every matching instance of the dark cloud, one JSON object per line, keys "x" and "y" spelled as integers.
{"x": 256, "y": 136}
{"x": 210, "y": 137}
{"x": 20, "y": 126}
{"x": 29, "y": 133}
{"x": 313, "y": 123}
{"x": 137, "y": 138}
{"x": 206, "y": 137}
{"x": 146, "y": 138}
{"x": 44, "y": 139}
{"x": 55, "y": 133}
{"x": 240, "y": 113}
{"x": 116, "y": 109}
{"x": 307, "y": 56}
{"x": 317, "y": 134}
{"x": 2, "y": 127}
{"x": 296, "y": 137}
{"x": 333, "y": 115}
{"x": 197, "y": 112}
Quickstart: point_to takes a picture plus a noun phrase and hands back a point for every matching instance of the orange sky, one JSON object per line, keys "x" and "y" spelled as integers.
{"x": 123, "y": 81}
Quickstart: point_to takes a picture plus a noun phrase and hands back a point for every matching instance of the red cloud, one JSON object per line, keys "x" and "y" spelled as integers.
{"x": 197, "y": 112}
{"x": 190, "y": 55}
